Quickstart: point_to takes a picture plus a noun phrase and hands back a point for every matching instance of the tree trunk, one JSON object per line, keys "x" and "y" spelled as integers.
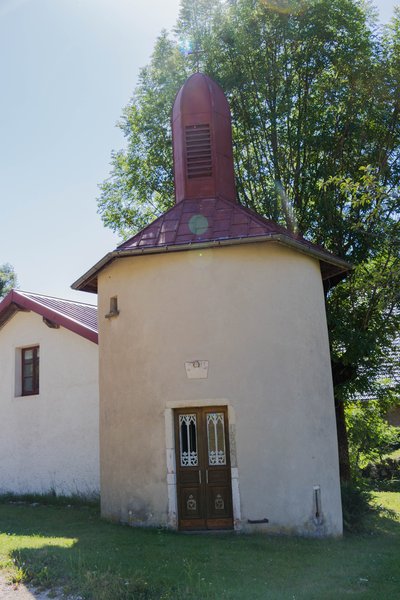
{"x": 342, "y": 374}
{"x": 343, "y": 444}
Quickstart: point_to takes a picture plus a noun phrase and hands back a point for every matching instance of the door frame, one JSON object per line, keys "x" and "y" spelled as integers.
{"x": 170, "y": 448}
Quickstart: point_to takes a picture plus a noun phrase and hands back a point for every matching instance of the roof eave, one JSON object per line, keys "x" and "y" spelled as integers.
{"x": 15, "y": 302}
{"x": 88, "y": 281}
{"x": 9, "y": 305}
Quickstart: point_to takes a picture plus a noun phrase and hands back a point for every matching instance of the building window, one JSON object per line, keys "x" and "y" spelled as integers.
{"x": 30, "y": 371}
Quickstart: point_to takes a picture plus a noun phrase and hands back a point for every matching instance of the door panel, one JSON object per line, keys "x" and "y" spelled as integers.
{"x": 203, "y": 468}
{"x": 219, "y": 500}
{"x": 190, "y": 504}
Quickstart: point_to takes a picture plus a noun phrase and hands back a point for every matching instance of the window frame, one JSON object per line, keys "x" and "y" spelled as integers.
{"x": 35, "y": 371}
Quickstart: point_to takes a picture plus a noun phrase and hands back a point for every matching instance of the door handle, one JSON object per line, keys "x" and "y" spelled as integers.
{"x": 200, "y": 476}
{"x": 207, "y": 476}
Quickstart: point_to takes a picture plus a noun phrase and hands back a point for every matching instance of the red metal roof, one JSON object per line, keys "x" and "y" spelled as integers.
{"x": 193, "y": 224}
{"x": 205, "y": 220}
{"x": 78, "y": 317}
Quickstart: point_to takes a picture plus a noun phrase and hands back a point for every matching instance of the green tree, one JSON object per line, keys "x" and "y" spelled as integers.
{"x": 314, "y": 94}
{"x": 370, "y": 436}
{"x": 8, "y": 279}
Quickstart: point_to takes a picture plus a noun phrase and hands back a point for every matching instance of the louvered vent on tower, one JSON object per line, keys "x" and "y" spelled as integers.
{"x": 198, "y": 151}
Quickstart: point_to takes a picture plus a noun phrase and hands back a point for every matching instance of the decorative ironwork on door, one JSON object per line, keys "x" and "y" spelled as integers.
{"x": 188, "y": 440}
{"x": 216, "y": 439}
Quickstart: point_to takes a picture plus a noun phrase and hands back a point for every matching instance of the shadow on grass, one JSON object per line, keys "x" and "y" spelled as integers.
{"x": 53, "y": 499}
{"x": 105, "y": 561}
{"x": 48, "y": 568}
{"x": 382, "y": 522}
{"x": 388, "y": 485}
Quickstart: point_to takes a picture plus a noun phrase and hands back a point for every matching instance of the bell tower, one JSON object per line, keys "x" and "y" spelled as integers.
{"x": 202, "y": 142}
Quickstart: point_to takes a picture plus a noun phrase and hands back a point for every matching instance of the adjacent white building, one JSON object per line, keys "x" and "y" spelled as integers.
{"x": 48, "y": 395}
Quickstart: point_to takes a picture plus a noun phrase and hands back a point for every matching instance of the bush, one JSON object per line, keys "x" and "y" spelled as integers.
{"x": 355, "y": 506}
{"x": 370, "y": 435}
{"x": 388, "y": 468}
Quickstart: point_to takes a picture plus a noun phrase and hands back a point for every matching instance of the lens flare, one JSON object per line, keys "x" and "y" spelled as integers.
{"x": 198, "y": 224}
{"x": 186, "y": 47}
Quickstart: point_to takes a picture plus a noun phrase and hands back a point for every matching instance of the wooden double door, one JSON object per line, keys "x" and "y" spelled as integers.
{"x": 203, "y": 468}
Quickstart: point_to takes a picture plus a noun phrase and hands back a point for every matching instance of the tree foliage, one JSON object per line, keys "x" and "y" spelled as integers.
{"x": 370, "y": 436}
{"x": 314, "y": 89}
{"x": 8, "y": 279}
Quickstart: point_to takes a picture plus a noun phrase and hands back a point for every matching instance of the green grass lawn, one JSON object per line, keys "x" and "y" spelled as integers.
{"x": 73, "y": 548}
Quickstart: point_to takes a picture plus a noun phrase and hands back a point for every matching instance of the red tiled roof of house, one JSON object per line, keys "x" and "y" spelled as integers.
{"x": 78, "y": 317}
{"x": 211, "y": 222}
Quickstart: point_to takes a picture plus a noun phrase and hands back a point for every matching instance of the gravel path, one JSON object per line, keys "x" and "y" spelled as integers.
{"x": 23, "y": 592}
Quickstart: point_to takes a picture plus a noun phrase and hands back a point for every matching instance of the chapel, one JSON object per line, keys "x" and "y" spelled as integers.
{"x": 216, "y": 396}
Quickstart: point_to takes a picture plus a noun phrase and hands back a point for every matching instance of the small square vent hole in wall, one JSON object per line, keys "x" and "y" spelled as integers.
{"x": 198, "y": 151}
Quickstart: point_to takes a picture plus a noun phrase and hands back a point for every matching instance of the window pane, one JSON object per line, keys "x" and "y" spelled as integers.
{"x": 28, "y": 384}
{"x": 188, "y": 440}
{"x": 36, "y": 381}
{"x": 216, "y": 439}
{"x": 184, "y": 438}
{"x": 28, "y": 369}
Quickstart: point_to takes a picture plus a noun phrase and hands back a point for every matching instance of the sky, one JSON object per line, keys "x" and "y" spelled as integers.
{"x": 68, "y": 67}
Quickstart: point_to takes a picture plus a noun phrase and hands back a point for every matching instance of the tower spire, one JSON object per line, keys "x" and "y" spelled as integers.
{"x": 202, "y": 141}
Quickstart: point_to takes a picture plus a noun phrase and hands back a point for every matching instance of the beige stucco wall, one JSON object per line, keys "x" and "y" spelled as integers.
{"x": 49, "y": 441}
{"x": 256, "y": 313}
